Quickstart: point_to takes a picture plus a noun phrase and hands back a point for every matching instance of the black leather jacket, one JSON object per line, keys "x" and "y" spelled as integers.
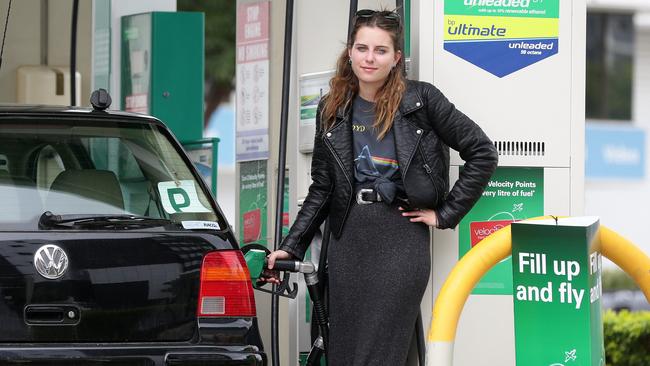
{"x": 425, "y": 126}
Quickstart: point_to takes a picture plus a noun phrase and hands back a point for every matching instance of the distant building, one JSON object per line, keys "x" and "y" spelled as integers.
{"x": 617, "y": 187}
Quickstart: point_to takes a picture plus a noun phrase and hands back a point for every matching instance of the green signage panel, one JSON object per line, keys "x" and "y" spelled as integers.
{"x": 512, "y": 194}
{"x": 162, "y": 69}
{"x": 509, "y": 8}
{"x": 252, "y": 202}
{"x": 557, "y": 269}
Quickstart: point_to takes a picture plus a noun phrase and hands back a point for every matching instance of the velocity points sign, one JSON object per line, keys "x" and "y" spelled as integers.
{"x": 502, "y": 36}
{"x": 557, "y": 269}
{"x": 512, "y": 194}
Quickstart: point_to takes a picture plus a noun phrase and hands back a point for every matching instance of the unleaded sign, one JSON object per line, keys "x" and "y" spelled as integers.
{"x": 502, "y": 36}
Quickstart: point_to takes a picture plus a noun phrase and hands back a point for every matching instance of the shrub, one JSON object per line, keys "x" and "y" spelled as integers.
{"x": 627, "y": 338}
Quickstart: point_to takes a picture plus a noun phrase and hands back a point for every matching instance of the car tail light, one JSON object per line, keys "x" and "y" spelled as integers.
{"x": 226, "y": 288}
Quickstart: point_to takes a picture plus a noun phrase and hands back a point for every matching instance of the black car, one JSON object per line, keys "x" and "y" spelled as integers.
{"x": 112, "y": 251}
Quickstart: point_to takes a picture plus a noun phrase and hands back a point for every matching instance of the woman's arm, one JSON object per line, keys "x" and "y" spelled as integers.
{"x": 316, "y": 205}
{"x": 463, "y": 135}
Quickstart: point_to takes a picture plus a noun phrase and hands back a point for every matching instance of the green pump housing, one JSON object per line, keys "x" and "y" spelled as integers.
{"x": 162, "y": 69}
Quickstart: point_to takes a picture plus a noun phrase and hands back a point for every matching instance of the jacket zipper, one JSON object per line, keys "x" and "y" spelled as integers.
{"x": 338, "y": 160}
{"x": 428, "y": 169}
{"x": 408, "y": 163}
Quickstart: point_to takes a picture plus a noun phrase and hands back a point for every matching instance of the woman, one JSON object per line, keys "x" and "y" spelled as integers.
{"x": 380, "y": 173}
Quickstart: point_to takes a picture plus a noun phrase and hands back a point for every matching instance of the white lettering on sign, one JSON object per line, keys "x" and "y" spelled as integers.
{"x": 257, "y": 52}
{"x": 596, "y": 267}
{"x": 534, "y": 293}
{"x": 531, "y": 45}
{"x": 569, "y": 269}
{"x": 595, "y": 262}
{"x": 252, "y": 52}
{"x": 620, "y": 154}
{"x": 253, "y": 30}
{"x": 570, "y": 295}
{"x": 252, "y": 13}
{"x": 522, "y": 191}
{"x": 504, "y": 3}
{"x": 536, "y": 264}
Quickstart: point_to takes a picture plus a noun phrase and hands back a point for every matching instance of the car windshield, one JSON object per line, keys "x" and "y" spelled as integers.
{"x": 95, "y": 167}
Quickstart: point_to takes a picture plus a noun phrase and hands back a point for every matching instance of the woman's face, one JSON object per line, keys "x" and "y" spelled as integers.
{"x": 373, "y": 56}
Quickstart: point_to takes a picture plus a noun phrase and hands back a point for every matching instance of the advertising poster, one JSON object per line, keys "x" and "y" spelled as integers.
{"x": 253, "y": 202}
{"x": 502, "y": 36}
{"x": 285, "y": 206}
{"x": 252, "y": 81}
{"x": 512, "y": 194}
{"x": 312, "y": 88}
{"x": 557, "y": 267}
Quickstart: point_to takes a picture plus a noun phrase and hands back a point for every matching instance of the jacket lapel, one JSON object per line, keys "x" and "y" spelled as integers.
{"x": 407, "y": 134}
{"x": 340, "y": 138}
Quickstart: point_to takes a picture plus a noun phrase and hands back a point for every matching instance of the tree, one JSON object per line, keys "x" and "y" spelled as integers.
{"x": 220, "y": 28}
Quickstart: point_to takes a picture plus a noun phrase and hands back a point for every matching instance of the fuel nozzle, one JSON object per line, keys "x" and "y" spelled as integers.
{"x": 294, "y": 266}
{"x": 255, "y": 256}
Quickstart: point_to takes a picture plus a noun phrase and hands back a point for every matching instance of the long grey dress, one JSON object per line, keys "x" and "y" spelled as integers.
{"x": 378, "y": 271}
{"x": 379, "y": 267}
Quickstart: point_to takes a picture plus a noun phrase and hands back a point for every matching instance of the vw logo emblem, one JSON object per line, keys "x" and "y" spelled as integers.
{"x": 51, "y": 261}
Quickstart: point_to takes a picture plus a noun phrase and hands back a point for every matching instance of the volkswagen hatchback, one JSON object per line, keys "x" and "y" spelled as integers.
{"x": 112, "y": 251}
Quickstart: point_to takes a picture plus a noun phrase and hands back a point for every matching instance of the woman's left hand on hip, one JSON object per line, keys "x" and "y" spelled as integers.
{"x": 426, "y": 216}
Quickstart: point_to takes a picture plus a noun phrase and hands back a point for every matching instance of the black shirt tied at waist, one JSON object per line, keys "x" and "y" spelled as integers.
{"x": 375, "y": 160}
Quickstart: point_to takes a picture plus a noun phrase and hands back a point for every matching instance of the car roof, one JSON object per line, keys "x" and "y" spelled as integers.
{"x": 61, "y": 111}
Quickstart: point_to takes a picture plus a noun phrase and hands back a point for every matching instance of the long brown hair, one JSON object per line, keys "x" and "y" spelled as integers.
{"x": 345, "y": 85}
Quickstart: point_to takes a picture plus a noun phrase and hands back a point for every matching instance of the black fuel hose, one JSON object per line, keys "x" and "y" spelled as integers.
{"x": 282, "y": 162}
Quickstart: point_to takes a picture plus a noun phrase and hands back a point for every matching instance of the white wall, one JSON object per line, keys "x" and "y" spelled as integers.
{"x": 22, "y": 44}
{"x": 59, "y": 33}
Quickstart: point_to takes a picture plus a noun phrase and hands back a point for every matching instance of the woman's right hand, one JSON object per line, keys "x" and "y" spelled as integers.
{"x": 269, "y": 275}
{"x": 278, "y": 254}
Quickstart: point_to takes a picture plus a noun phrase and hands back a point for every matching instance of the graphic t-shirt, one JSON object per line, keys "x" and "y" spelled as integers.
{"x": 375, "y": 160}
